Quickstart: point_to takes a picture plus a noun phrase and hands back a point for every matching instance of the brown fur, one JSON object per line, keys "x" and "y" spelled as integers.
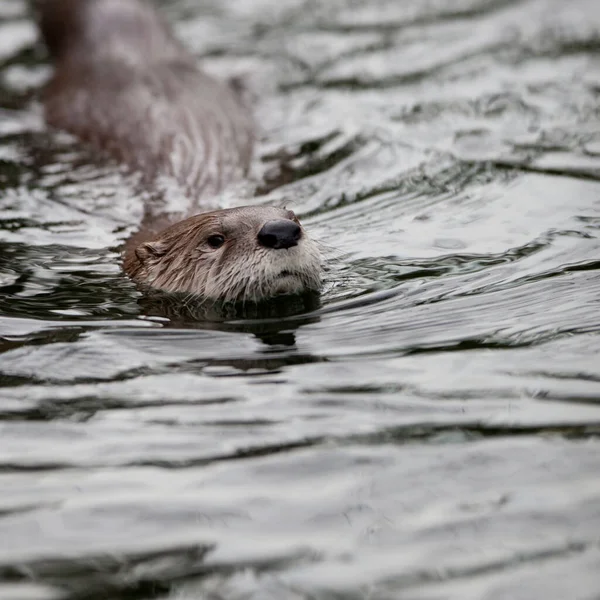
{"x": 126, "y": 86}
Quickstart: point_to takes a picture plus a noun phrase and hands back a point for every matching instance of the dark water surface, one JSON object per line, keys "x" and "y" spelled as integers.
{"x": 432, "y": 432}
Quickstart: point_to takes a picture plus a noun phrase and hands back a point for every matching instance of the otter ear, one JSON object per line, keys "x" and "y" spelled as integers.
{"x": 149, "y": 250}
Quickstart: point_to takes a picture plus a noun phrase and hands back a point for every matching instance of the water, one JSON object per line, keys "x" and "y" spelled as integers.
{"x": 431, "y": 432}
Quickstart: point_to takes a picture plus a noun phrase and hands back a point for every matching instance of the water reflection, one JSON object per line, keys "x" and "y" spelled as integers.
{"x": 273, "y": 322}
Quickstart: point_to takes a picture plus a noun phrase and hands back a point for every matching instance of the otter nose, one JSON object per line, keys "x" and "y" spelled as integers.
{"x": 281, "y": 233}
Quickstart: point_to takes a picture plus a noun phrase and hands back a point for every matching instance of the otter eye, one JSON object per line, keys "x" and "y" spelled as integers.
{"x": 216, "y": 241}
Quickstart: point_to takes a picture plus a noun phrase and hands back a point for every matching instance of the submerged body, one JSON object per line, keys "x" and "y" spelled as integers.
{"x": 127, "y": 87}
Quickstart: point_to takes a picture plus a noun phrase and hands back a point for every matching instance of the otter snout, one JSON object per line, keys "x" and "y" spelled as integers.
{"x": 280, "y": 233}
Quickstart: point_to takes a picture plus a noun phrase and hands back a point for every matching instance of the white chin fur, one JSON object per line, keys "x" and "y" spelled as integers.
{"x": 288, "y": 284}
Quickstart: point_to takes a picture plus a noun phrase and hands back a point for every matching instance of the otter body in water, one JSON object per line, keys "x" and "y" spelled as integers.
{"x": 124, "y": 85}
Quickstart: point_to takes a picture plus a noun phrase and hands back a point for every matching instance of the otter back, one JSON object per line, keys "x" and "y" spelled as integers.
{"x": 125, "y": 85}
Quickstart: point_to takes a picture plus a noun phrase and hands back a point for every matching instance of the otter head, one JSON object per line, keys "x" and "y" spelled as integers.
{"x": 250, "y": 253}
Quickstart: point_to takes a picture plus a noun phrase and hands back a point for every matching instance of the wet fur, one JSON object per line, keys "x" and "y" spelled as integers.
{"x": 125, "y": 85}
{"x": 181, "y": 260}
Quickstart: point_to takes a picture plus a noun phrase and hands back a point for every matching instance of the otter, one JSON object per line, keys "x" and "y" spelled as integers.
{"x": 126, "y": 87}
